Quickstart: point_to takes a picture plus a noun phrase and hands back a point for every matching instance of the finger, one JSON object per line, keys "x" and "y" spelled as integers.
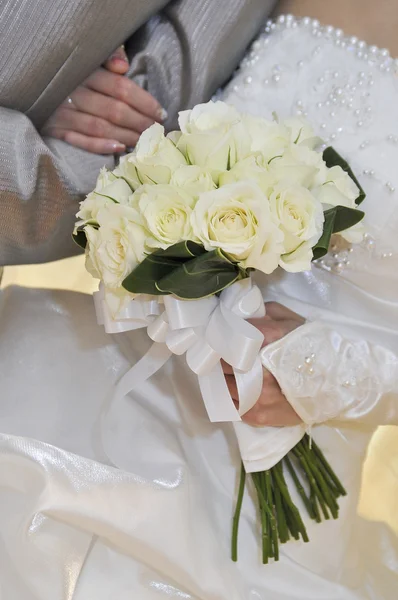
{"x": 127, "y": 91}
{"x": 278, "y": 312}
{"x": 74, "y": 120}
{"x": 118, "y": 62}
{"x": 272, "y": 410}
{"x": 274, "y": 330}
{"x": 232, "y": 387}
{"x": 110, "y": 109}
{"x": 228, "y": 370}
{"x": 90, "y": 144}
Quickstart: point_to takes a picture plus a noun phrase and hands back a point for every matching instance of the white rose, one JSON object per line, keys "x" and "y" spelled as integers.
{"x": 268, "y": 137}
{"x": 166, "y": 212}
{"x": 193, "y": 179}
{"x": 237, "y": 219}
{"x": 154, "y": 159}
{"x": 109, "y": 190}
{"x": 299, "y": 165}
{"x": 118, "y": 300}
{"x": 105, "y": 177}
{"x": 117, "y": 246}
{"x": 337, "y": 189}
{"x": 272, "y": 138}
{"x": 301, "y": 132}
{"x": 299, "y": 260}
{"x": 127, "y": 170}
{"x": 300, "y": 217}
{"x": 250, "y": 168}
{"x": 213, "y": 136}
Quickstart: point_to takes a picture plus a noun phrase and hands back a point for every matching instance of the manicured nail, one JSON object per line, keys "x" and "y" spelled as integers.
{"x": 163, "y": 114}
{"x": 116, "y": 147}
{"x": 120, "y": 54}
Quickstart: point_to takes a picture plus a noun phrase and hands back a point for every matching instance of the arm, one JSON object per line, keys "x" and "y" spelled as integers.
{"x": 41, "y": 182}
{"x": 327, "y": 376}
{"x": 192, "y": 47}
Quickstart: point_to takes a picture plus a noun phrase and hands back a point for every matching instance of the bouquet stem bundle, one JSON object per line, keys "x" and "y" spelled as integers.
{"x": 317, "y": 485}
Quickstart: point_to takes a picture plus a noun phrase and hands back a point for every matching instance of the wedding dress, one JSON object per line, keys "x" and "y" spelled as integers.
{"x": 133, "y": 499}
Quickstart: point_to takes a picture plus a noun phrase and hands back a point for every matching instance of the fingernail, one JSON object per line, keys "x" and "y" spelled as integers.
{"x": 116, "y": 147}
{"x": 162, "y": 113}
{"x": 120, "y": 54}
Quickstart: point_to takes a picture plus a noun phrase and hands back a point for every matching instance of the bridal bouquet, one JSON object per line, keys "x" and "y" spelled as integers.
{"x": 174, "y": 234}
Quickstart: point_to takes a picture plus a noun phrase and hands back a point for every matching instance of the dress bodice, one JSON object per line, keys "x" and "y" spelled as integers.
{"x": 348, "y": 91}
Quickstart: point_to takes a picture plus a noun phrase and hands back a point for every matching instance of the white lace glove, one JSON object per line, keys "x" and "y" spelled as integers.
{"x": 326, "y": 376}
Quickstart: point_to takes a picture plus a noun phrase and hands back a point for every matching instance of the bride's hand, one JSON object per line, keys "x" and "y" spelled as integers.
{"x": 272, "y": 408}
{"x": 107, "y": 113}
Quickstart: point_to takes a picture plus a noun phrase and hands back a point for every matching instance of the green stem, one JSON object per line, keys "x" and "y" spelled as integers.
{"x": 293, "y": 509}
{"x": 273, "y": 523}
{"x": 280, "y": 513}
{"x": 328, "y": 468}
{"x": 236, "y": 518}
{"x": 299, "y": 487}
{"x": 328, "y": 497}
{"x": 312, "y": 481}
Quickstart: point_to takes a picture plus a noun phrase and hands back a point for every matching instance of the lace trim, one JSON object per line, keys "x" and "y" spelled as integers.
{"x": 323, "y": 374}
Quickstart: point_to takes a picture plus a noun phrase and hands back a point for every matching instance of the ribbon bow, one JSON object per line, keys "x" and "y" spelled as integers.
{"x": 206, "y": 331}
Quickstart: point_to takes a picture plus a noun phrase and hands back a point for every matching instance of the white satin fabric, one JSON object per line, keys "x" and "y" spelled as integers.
{"x": 134, "y": 498}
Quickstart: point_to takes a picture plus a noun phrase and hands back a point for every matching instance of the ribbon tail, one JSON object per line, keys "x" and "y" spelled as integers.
{"x": 250, "y": 385}
{"x": 216, "y": 396}
{"x": 152, "y": 361}
{"x": 157, "y": 355}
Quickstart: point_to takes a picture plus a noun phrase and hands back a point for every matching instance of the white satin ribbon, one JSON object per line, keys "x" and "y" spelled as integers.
{"x": 206, "y": 331}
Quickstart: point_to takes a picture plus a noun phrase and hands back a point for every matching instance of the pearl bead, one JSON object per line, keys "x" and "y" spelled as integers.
{"x": 311, "y": 371}
{"x": 338, "y": 33}
{"x": 386, "y": 255}
{"x": 247, "y": 80}
{"x": 276, "y": 78}
{"x": 300, "y": 64}
{"x": 338, "y": 267}
{"x": 315, "y": 23}
{"x": 390, "y": 187}
{"x": 306, "y": 21}
{"x": 299, "y": 367}
{"x": 308, "y": 360}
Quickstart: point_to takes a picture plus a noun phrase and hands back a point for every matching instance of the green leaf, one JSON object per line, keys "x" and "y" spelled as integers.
{"x": 144, "y": 277}
{"x": 200, "y": 277}
{"x": 182, "y": 250}
{"x": 80, "y": 238}
{"x": 322, "y": 246}
{"x": 345, "y": 217}
{"x": 333, "y": 159}
{"x": 159, "y": 264}
{"x": 338, "y": 218}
